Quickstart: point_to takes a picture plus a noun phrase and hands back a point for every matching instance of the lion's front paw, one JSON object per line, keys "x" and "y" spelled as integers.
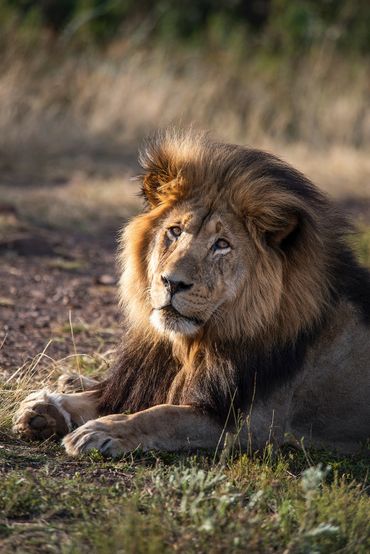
{"x": 41, "y": 416}
{"x": 94, "y": 435}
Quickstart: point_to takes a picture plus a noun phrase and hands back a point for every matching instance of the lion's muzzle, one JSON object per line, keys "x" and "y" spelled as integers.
{"x": 172, "y": 285}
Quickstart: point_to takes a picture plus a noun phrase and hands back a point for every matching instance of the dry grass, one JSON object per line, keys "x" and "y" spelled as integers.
{"x": 42, "y": 372}
{"x": 76, "y": 120}
{"x": 65, "y": 104}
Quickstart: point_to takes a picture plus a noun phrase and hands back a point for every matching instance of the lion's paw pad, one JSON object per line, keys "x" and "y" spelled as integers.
{"x": 39, "y": 417}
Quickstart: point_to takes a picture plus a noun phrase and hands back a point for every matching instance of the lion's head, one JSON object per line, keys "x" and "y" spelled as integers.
{"x": 197, "y": 266}
{"x": 234, "y": 243}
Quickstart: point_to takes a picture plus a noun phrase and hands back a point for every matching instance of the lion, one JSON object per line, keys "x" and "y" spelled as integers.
{"x": 244, "y": 312}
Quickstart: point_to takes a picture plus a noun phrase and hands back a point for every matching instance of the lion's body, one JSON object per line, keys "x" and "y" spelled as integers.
{"x": 244, "y": 307}
{"x": 330, "y": 398}
{"x": 326, "y": 404}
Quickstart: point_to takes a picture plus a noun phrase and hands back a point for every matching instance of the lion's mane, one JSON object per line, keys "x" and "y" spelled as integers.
{"x": 287, "y": 297}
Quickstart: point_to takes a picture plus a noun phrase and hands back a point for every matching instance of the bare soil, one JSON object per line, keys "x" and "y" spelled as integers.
{"x": 51, "y": 281}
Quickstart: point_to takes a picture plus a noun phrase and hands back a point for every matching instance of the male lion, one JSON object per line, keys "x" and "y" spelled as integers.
{"x": 245, "y": 311}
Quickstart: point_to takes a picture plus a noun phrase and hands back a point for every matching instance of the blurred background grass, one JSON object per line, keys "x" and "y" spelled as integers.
{"x": 94, "y": 74}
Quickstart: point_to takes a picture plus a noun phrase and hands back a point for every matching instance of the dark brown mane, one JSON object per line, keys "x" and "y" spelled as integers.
{"x": 141, "y": 377}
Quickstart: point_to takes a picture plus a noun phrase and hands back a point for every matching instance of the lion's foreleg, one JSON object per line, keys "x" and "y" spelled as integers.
{"x": 44, "y": 414}
{"x": 165, "y": 427}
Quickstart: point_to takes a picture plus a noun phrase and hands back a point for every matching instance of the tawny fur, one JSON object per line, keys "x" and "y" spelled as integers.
{"x": 252, "y": 332}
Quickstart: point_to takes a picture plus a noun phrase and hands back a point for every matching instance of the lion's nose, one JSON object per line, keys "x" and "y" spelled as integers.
{"x": 175, "y": 286}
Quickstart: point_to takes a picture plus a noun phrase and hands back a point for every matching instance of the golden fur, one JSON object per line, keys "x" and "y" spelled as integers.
{"x": 230, "y": 278}
{"x": 182, "y": 167}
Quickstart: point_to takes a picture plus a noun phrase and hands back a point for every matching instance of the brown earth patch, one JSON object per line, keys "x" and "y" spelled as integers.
{"x": 51, "y": 281}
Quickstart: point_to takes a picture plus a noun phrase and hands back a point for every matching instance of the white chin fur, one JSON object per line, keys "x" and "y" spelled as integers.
{"x": 181, "y": 326}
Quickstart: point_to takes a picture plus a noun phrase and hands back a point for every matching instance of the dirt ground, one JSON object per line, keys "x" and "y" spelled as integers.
{"x": 48, "y": 282}
{"x": 60, "y": 218}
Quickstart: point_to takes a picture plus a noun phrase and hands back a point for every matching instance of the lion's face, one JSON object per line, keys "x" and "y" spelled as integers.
{"x": 229, "y": 246}
{"x": 198, "y": 264}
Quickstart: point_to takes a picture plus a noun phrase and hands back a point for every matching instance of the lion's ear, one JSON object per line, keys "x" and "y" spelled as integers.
{"x": 149, "y": 189}
{"x": 279, "y": 237}
{"x": 160, "y": 186}
{"x": 161, "y": 181}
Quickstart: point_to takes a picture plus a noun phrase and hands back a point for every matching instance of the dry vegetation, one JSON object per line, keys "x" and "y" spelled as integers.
{"x": 114, "y": 98}
{"x": 79, "y": 119}
{"x": 69, "y": 133}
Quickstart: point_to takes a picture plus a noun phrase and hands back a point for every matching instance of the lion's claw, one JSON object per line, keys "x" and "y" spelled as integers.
{"x": 93, "y": 435}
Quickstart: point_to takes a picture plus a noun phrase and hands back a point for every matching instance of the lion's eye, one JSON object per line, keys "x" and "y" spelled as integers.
{"x": 174, "y": 232}
{"x": 221, "y": 244}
